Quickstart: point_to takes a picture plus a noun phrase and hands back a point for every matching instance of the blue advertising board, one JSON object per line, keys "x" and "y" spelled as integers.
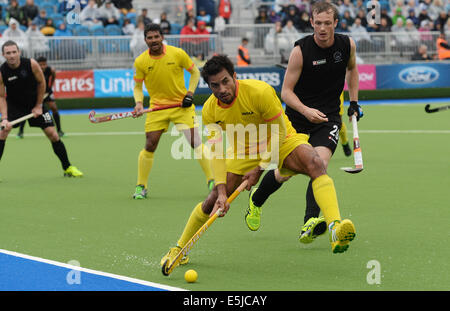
{"x": 413, "y": 75}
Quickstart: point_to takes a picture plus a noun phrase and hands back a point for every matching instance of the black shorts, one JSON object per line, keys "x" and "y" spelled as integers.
{"x": 43, "y": 121}
{"x": 324, "y": 134}
{"x": 50, "y": 98}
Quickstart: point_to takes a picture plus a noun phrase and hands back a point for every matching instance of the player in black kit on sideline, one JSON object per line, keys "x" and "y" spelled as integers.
{"x": 318, "y": 66}
{"x": 22, "y": 87}
{"x": 49, "y": 99}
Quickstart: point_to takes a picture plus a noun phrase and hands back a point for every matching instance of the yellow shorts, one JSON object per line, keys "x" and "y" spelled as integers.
{"x": 243, "y": 166}
{"x": 183, "y": 118}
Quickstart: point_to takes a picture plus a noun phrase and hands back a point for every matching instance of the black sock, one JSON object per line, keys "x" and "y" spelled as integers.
{"x": 2, "y": 147}
{"x": 22, "y": 125}
{"x": 60, "y": 151}
{"x": 268, "y": 186}
{"x": 312, "y": 209}
{"x": 57, "y": 121}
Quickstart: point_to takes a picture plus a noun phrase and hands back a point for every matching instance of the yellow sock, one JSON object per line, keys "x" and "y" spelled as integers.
{"x": 325, "y": 195}
{"x": 145, "y": 163}
{"x": 201, "y": 154}
{"x": 343, "y": 134}
{"x": 195, "y": 221}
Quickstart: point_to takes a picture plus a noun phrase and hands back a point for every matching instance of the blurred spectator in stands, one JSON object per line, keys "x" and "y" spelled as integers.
{"x": 412, "y": 16}
{"x": 224, "y": 9}
{"x": 423, "y": 15}
{"x": 90, "y": 15}
{"x": 190, "y": 14}
{"x": 305, "y": 6}
{"x": 384, "y": 14}
{"x": 202, "y": 43}
{"x": 188, "y": 44}
{"x": 37, "y": 40}
{"x": 442, "y": 47}
{"x": 164, "y": 24}
{"x": 124, "y": 6}
{"x": 204, "y": 17}
{"x": 400, "y": 6}
{"x": 282, "y": 42}
{"x": 425, "y": 36}
{"x": 359, "y": 5}
{"x": 30, "y": 11}
{"x": 262, "y": 17}
{"x": 41, "y": 19}
{"x": 14, "y": 33}
{"x": 447, "y": 26}
{"x": 137, "y": 42}
{"x": 274, "y": 17}
{"x": 414, "y": 35}
{"x": 128, "y": 27}
{"x": 243, "y": 57}
{"x": 219, "y": 25}
{"x": 421, "y": 54}
{"x": 109, "y": 14}
{"x": 49, "y": 29}
{"x": 401, "y": 37}
{"x": 290, "y": 32}
{"x": 199, "y": 59}
{"x": 398, "y": 15}
{"x": 442, "y": 19}
{"x": 435, "y": 7}
{"x": 347, "y": 6}
{"x": 359, "y": 33}
{"x": 293, "y": 16}
{"x": 350, "y": 20}
{"x": 14, "y": 11}
{"x": 411, "y": 5}
{"x": 305, "y": 23}
{"x": 62, "y": 31}
{"x": 143, "y": 17}
{"x": 342, "y": 26}
{"x": 384, "y": 25}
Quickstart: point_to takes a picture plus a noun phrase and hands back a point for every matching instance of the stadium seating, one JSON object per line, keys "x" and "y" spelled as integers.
{"x": 80, "y": 30}
{"x": 97, "y": 30}
{"x": 48, "y": 7}
{"x": 113, "y": 30}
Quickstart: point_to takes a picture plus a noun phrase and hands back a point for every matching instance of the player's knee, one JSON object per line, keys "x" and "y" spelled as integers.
{"x": 316, "y": 167}
{"x": 279, "y": 178}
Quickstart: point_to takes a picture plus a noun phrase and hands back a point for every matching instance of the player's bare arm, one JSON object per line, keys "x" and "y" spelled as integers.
{"x": 352, "y": 75}
{"x": 40, "y": 80}
{"x": 138, "y": 93}
{"x": 3, "y": 106}
{"x": 292, "y": 75}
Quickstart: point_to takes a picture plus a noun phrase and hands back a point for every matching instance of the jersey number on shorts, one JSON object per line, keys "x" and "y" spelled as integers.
{"x": 47, "y": 117}
{"x": 335, "y": 132}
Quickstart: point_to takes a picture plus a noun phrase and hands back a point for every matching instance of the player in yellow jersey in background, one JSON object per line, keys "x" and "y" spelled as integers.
{"x": 249, "y": 105}
{"x": 161, "y": 68}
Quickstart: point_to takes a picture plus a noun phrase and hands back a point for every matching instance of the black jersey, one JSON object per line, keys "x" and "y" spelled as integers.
{"x": 322, "y": 78}
{"x": 47, "y": 75}
{"x": 21, "y": 85}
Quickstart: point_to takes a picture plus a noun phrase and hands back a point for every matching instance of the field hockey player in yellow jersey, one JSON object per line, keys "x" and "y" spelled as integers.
{"x": 161, "y": 68}
{"x": 245, "y": 104}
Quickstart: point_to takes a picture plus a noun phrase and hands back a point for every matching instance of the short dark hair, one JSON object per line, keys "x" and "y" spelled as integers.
{"x": 41, "y": 59}
{"x": 9, "y": 43}
{"x": 152, "y": 27}
{"x": 215, "y": 65}
{"x": 322, "y": 6}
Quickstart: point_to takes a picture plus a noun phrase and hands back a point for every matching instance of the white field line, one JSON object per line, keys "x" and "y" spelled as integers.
{"x": 105, "y": 274}
{"x": 142, "y": 133}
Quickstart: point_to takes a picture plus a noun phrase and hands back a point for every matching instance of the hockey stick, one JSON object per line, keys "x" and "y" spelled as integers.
{"x": 122, "y": 115}
{"x": 357, "y": 154}
{"x": 427, "y": 108}
{"x": 28, "y": 116}
{"x": 168, "y": 267}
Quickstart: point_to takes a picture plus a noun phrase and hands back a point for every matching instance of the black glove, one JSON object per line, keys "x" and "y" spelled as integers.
{"x": 354, "y": 107}
{"x": 187, "y": 101}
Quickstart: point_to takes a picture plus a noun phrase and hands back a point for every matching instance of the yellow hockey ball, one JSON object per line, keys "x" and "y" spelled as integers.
{"x": 191, "y": 276}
